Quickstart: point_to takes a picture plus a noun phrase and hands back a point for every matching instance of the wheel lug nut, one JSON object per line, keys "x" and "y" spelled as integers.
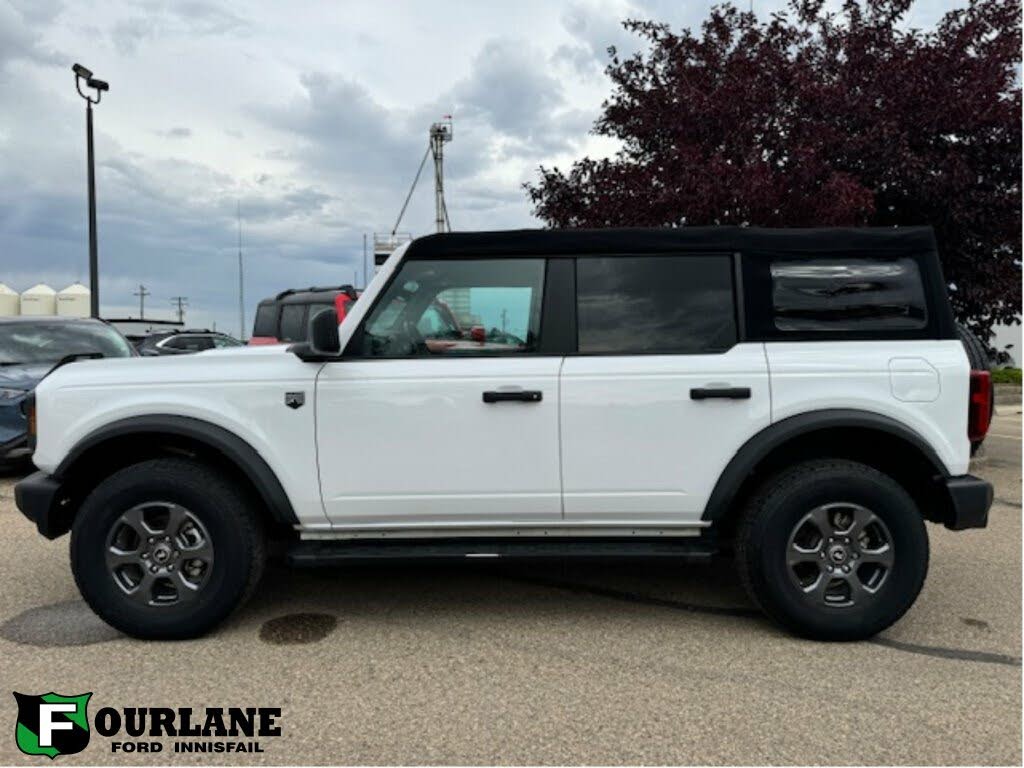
{"x": 145, "y": 555}
{"x": 846, "y": 568}
{"x": 830, "y": 569}
{"x": 151, "y": 539}
{"x": 153, "y": 569}
{"x": 822, "y": 555}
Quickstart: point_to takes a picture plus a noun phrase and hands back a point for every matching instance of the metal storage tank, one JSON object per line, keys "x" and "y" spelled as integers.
{"x": 73, "y": 301}
{"x": 40, "y": 299}
{"x": 10, "y": 302}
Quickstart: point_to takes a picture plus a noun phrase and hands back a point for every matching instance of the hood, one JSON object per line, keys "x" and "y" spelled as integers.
{"x": 23, "y": 376}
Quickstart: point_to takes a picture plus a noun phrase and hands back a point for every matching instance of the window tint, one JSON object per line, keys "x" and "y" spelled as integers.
{"x": 293, "y": 322}
{"x": 190, "y": 343}
{"x": 667, "y": 304}
{"x": 848, "y": 294}
{"x": 266, "y": 320}
{"x": 458, "y": 307}
{"x": 225, "y": 341}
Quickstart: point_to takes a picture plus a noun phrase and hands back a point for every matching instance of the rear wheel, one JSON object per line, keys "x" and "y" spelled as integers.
{"x": 165, "y": 549}
{"x": 833, "y": 550}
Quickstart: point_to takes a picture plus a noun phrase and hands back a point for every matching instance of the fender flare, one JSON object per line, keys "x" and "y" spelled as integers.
{"x": 236, "y": 450}
{"x": 761, "y": 445}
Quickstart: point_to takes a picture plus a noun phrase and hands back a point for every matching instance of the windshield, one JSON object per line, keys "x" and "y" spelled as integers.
{"x": 26, "y": 343}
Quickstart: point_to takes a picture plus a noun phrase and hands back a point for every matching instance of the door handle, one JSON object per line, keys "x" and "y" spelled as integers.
{"x": 515, "y": 395}
{"x": 724, "y": 393}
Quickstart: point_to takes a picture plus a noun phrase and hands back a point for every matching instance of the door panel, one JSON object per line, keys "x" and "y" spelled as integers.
{"x": 635, "y": 445}
{"x": 412, "y": 442}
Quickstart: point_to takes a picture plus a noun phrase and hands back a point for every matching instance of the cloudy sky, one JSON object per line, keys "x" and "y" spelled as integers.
{"x": 310, "y": 116}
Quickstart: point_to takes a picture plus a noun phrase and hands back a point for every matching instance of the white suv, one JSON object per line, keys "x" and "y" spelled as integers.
{"x": 797, "y": 397}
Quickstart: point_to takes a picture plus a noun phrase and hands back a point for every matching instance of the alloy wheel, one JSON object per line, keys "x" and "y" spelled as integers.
{"x": 840, "y": 555}
{"x": 159, "y": 554}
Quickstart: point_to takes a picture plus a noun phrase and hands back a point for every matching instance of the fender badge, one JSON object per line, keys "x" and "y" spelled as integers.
{"x": 294, "y": 399}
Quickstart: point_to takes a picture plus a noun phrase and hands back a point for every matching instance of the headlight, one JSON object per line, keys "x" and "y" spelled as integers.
{"x": 11, "y": 394}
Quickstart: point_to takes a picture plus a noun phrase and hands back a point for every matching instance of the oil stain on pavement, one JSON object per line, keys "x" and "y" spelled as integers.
{"x": 61, "y": 624}
{"x": 298, "y": 628}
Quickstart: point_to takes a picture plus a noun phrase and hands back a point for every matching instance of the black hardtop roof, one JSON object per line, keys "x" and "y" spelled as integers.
{"x": 656, "y": 240}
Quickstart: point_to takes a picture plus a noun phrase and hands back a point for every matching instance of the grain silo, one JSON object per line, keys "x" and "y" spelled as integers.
{"x": 73, "y": 301}
{"x": 10, "y": 302}
{"x": 40, "y": 299}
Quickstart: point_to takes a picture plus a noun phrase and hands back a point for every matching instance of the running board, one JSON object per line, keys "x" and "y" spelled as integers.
{"x": 325, "y": 553}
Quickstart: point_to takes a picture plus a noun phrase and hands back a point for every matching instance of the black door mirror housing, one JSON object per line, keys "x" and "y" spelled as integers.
{"x": 323, "y": 338}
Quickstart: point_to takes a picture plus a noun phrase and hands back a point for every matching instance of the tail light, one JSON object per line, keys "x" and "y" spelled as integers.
{"x": 28, "y": 407}
{"x": 342, "y": 304}
{"x": 979, "y": 405}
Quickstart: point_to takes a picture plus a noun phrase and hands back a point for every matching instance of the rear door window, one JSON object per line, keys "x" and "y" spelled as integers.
{"x": 293, "y": 322}
{"x": 847, "y": 294}
{"x": 655, "y": 304}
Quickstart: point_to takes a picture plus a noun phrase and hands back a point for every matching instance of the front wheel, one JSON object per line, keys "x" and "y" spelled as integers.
{"x": 833, "y": 550}
{"x": 165, "y": 549}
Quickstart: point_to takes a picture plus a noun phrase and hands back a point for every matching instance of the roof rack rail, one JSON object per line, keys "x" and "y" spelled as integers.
{"x": 346, "y": 289}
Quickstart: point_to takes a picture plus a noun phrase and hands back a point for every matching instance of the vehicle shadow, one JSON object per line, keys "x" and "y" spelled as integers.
{"x": 474, "y": 592}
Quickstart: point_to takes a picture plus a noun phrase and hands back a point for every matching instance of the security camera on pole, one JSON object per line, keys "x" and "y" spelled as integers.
{"x": 98, "y": 86}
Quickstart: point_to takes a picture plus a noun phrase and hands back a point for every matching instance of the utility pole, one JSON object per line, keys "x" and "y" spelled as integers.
{"x": 366, "y": 269}
{"x": 99, "y": 86}
{"x": 241, "y": 279}
{"x": 182, "y": 302}
{"x": 142, "y": 293}
{"x": 440, "y": 134}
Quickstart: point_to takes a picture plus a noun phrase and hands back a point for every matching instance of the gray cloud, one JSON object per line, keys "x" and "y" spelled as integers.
{"x": 155, "y": 19}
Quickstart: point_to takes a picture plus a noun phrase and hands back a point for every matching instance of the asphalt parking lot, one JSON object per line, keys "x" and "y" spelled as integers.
{"x": 580, "y": 664}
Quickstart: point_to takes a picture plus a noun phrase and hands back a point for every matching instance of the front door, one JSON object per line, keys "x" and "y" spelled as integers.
{"x": 443, "y": 411}
{"x": 661, "y": 394}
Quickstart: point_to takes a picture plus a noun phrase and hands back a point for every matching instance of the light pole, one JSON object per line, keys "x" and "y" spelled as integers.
{"x": 99, "y": 86}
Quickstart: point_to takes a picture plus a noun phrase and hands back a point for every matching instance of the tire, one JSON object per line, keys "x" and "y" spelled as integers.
{"x": 783, "y": 518}
{"x": 185, "y": 520}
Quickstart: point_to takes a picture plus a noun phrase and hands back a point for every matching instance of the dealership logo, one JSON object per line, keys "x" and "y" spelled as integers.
{"x": 52, "y": 724}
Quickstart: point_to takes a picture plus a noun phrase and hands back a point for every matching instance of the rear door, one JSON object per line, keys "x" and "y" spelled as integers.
{"x": 425, "y": 424}
{"x": 662, "y": 392}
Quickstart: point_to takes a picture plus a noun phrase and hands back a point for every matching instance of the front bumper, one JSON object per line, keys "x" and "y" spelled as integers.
{"x": 969, "y": 500}
{"x": 38, "y": 496}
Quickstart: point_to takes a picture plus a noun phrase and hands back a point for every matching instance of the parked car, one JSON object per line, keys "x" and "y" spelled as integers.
{"x": 799, "y": 398}
{"x": 185, "y": 342}
{"x": 284, "y": 318}
{"x": 29, "y": 349}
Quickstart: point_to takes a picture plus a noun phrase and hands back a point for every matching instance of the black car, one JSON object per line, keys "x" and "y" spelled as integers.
{"x": 29, "y": 349}
{"x": 185, "y": 342}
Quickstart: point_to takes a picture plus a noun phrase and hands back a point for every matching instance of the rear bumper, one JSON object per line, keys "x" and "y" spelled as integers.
{"x": 38, "y": 498}
{"x": 969, "y": 501}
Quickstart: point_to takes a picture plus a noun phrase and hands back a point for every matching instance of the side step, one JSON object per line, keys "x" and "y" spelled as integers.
{"x": 340, "y": 552}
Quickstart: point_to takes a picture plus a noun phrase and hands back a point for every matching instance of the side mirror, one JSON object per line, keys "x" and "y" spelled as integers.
{"x": 323, "y": 337}
{"x": 478, "y": 334}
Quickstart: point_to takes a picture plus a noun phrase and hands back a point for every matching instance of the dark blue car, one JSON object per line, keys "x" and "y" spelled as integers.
{"x": 29, "y": 348}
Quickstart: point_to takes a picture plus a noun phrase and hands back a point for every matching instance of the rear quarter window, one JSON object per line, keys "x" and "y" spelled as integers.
{"x": 847, "y": 294}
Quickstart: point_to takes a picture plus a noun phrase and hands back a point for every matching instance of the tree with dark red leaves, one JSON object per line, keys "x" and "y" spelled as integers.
{"x": 815, "y": 118}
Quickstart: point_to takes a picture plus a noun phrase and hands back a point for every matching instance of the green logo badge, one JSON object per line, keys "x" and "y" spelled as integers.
{"x": 52, "y": 724}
